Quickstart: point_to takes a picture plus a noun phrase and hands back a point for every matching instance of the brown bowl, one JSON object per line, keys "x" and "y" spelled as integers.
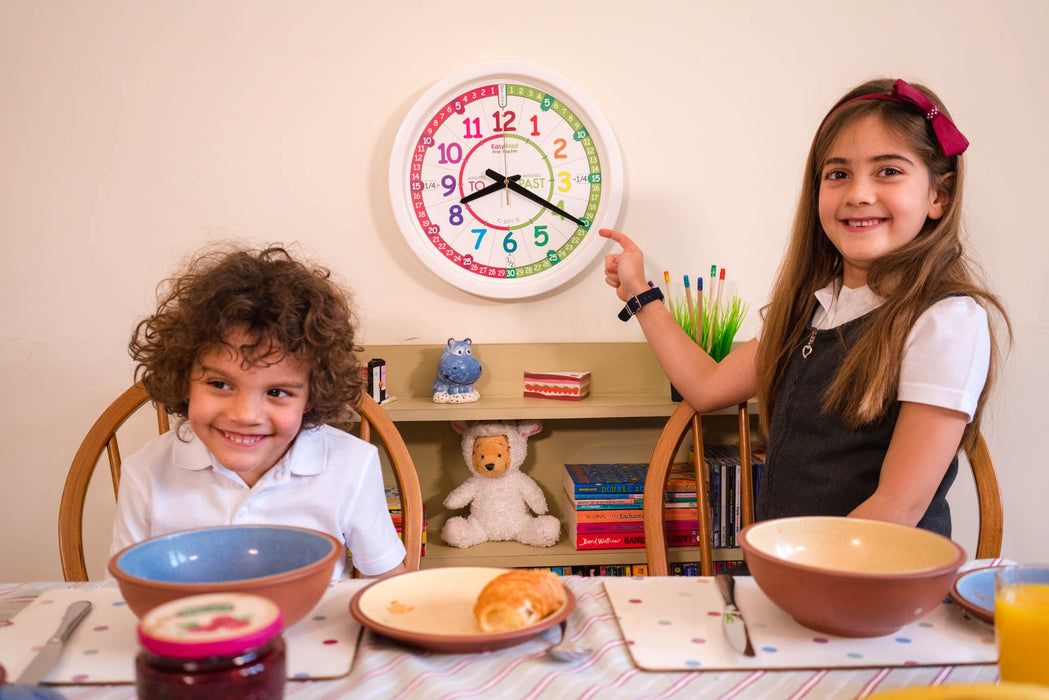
{"x": 848, "y": 576}
{"x": 291, "y": 566}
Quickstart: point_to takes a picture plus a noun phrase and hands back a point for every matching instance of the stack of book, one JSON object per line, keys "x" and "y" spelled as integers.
{"x": 604, "y": 505}
{"x": 724, "y": 504}
{"x": 393, "y": 503}
{"x": 600, "y": 570}
{"x": 604, "y": 502}
{"x": 691, "y": 568}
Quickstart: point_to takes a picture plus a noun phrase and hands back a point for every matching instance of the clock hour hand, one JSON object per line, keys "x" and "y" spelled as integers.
{"x": 500, "y": 183}
{"x": 525, "y": 192}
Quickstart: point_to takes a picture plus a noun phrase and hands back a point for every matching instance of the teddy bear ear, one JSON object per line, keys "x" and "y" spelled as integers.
{"x": 528, "y": 428}
{"x": 459, "y": 426}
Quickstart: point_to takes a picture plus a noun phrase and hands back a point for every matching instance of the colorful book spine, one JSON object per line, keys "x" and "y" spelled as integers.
{"x": 627, "y": 540}
{"x": 634, "y": 526}
{"x": 393, "y": 505}
{"x": 714, "y": 500}
{"x": 605, "y": 570}
{"x": 685, "y": 569}
{"x": 605, "y": 500}
{"x": 636, "y": 501}
{"x": 582, "y": 479}
{"x": 720, "y": 566}
{"x": 612, "y": 516}
{"x": 634, "y": 505}
{"x": 727, "y": 478}
{"x": 621, "y": 478}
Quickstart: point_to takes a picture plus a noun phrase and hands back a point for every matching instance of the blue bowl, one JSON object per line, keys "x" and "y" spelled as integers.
{"x": 290, "y": 565}
{"x": 221, "y": 554}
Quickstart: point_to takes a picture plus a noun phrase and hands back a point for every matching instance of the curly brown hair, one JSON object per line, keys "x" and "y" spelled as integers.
{"x": 285, "y": 307}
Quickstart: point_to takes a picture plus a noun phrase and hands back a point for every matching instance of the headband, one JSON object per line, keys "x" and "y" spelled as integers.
{"x": 952, "y": 142}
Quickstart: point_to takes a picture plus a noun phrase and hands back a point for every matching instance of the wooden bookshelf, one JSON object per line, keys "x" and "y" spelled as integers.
{"x": 619, "y": 421}
{"x": 514, "y": 554}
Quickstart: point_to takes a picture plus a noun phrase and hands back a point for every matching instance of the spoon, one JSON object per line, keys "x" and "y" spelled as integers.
{"x": 566, "y": 649}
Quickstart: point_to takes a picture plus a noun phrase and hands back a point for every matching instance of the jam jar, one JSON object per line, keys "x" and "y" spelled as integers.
{"x": 205, "y": 647}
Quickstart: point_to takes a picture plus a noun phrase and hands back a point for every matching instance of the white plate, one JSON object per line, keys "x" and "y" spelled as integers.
{"x": 433, "y": 608}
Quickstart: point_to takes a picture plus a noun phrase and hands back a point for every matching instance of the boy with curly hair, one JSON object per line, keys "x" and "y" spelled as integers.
{"x": 254, "y": 352}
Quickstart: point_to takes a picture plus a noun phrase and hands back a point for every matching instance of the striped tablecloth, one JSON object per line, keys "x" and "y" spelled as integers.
{"x": 385, "y": 669}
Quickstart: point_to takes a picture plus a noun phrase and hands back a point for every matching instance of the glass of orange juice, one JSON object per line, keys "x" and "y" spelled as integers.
{"x": 1021, "y": 623}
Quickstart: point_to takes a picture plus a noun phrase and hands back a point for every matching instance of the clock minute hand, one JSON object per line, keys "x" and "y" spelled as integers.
{"x": 525, "y": 192}
{"x": 501, "y": 183}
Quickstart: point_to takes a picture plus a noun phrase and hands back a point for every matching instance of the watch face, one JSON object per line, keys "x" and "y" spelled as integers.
{"x": 500, "y": 178}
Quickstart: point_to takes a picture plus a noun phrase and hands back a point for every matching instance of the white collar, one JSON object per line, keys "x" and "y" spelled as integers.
{"x": 840, "y": 304}
{"x": 305, "y": 457}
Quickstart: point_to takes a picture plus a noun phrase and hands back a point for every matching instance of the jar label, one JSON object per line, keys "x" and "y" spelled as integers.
{"x": 215, "y": 624}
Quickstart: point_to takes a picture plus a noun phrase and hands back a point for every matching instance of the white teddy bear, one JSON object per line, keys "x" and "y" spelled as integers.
{"x": 498, "y": 493}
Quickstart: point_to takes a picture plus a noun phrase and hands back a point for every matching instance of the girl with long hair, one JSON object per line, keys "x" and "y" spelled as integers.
{"x": 877, "y": 351}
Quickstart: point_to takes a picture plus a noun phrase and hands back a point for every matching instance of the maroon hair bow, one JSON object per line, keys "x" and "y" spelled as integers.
{"x": 952, "y": 141}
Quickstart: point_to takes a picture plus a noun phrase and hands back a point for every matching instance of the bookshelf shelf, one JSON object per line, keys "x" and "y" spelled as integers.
{"x": 415, "y": 408}
{"x": 513, "y": 554}
{"x": 619, "y": 421}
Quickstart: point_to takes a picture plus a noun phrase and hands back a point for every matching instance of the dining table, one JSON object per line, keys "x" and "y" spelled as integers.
{"x": 645, "y": 637}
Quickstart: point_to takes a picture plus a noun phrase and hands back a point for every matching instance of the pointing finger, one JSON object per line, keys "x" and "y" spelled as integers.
{"x": 620, "y": 238}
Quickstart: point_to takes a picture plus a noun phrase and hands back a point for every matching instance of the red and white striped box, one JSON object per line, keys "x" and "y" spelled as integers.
{"x": 564, "y": 386}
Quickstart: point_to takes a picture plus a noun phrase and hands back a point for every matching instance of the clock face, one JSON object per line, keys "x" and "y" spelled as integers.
{"x": 501, "y": 176}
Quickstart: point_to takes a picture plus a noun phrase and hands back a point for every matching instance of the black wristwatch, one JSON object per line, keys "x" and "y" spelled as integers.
{"x": 634, "y": 304}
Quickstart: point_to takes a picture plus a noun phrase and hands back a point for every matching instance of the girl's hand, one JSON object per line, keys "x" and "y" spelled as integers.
{"x": 625, "y": 271}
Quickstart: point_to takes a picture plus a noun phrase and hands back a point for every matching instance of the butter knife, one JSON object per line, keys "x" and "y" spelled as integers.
{"x": 47, "y": 657}
{"x": 732, "y": 619}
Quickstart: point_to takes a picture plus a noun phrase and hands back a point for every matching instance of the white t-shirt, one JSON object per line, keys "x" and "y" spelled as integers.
{"x": 328, "y": 480}
{"x": 947, "y": 353}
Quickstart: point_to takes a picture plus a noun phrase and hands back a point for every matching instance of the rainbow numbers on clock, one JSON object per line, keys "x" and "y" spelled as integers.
{"x": 501, "y": 176}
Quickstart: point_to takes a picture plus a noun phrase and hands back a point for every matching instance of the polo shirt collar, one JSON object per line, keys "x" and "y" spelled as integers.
{"x": 850, "y": 304}
{"x": 305, "y": 457}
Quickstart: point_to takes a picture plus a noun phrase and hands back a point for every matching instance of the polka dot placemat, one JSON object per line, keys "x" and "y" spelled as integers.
{"x": 103, "y": 648}
{"x": 674, "y": 624}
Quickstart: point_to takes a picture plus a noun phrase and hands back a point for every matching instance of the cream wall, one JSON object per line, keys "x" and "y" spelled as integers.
{"x": 133, "y": 132}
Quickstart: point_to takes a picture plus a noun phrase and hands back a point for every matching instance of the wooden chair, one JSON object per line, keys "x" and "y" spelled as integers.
{"x": 681, "y": 421}
{"x": 685, "y": 419}
{"x": 103, "y": 436}
{"x": 989, "y": 498}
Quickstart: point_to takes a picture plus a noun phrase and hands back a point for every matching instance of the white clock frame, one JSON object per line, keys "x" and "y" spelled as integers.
{"x": 435, "y": 138}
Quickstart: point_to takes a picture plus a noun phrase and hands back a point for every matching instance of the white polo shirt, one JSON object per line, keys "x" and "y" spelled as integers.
{"x": 328, "y": 480}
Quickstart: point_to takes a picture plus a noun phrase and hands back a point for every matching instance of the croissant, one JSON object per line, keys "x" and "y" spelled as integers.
{"x": 517, "y": 599}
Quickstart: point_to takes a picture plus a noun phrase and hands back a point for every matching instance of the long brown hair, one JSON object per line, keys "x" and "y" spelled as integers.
{"x": 910, "y": 279}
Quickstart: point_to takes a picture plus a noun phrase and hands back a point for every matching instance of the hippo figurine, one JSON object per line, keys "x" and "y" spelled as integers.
{"x": 457, "y": 370}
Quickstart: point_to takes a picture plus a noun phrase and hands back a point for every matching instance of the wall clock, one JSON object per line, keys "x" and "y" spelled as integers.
{"x": 501, "y": 176}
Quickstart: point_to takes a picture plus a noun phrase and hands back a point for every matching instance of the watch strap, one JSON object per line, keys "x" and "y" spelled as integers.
{"x": 634, "y": 304}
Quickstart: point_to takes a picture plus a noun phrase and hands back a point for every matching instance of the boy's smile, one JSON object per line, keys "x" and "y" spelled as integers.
{"x": 247, "y": 417}
{"x": 875, "y": 196}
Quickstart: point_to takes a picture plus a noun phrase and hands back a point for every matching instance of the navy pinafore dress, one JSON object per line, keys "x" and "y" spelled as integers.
{"x": 817, "y": 465}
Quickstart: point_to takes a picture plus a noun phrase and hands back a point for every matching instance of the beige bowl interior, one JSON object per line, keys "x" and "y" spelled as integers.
{"x": 852, "y": 544}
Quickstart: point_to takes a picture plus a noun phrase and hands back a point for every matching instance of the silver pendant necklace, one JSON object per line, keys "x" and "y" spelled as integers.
{"x": 806, "y": 349}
